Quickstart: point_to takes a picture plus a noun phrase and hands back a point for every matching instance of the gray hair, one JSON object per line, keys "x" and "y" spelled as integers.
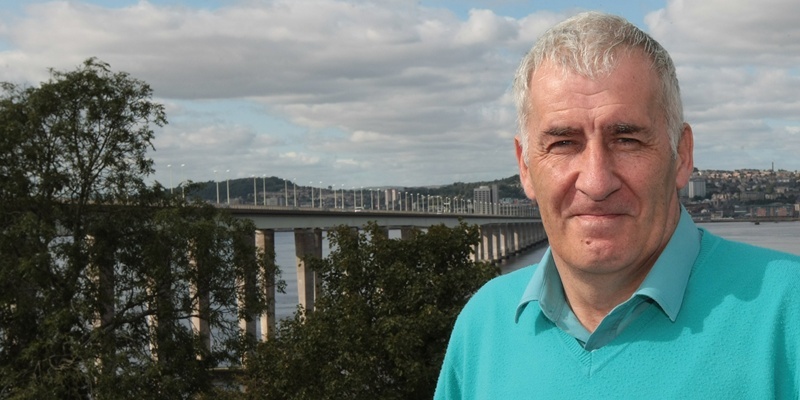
{"x": 591, "y": 44}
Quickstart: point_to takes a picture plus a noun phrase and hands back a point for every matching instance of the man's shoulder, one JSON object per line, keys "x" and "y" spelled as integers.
{"x": 745, "y": 265}
{"x": 513, "y": 282}
{"x": 502, "y": 293}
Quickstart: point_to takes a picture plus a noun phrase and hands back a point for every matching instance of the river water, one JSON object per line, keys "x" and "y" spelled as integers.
{"x": 783, "y": 236}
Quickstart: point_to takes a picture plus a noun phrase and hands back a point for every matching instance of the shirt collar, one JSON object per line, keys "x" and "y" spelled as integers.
{"x": 665, "y": 283}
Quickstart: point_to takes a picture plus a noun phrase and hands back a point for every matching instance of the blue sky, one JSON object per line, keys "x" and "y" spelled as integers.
{"x": 397, "y": 92}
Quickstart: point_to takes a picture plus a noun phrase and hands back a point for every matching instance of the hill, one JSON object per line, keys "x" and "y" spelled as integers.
{"x": 278, "y": 190}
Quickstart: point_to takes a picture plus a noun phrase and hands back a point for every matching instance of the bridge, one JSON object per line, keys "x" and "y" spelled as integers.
{"x": 502, "y": 236}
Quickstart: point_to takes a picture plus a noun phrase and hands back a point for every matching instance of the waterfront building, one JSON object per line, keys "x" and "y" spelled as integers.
{"x": 772, "y": 210}
{"x": 696, "y": 188}
{"x": 752, "y": 196}
{"x": 485, "y": 199}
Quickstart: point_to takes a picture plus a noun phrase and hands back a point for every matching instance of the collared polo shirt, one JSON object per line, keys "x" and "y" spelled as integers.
{"x": 663, "y": 286}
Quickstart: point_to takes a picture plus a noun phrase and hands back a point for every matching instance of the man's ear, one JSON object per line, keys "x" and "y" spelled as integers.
{"x": 524, "y": 171}
{"x": 685, "y": 161}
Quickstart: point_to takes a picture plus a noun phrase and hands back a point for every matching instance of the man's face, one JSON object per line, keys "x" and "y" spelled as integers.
{"x": 601, "y": 167}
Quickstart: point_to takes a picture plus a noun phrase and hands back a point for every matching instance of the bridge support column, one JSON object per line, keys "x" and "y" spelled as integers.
{"x": 308, "y": 243}
{"x": 248, "y": 282}
{"x": 101, "y": 272}
{"x": 406, "y": 232}
{"x": 265, "y": 243}
{"x": 488, "y": 242}
{"x": 202, "y": 304}
{"x": 525, "y": 236}
{"x": 531, "y": 232}
{"x": 497, "y": 254}
{"x": 502, "y": 240}
{"x": 514, "y": 238}
{"x": 541, "y": 234}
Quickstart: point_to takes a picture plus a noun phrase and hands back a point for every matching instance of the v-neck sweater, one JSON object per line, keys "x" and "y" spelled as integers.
{"x": 737, "y": 336}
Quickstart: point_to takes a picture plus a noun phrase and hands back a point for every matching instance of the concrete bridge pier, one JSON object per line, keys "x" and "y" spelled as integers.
{"x": 497, "y": 242}
{"x": 540, "y": 233}
{"x": 199, "y": 320}
{"x": 525, "y": 236}
{"x": 516, "y": 243}
{"x": 487, "y": 233}
{"x": 307, "y": 242}
{"x": 249, "y": 324}
{"x": 265, "y": 243}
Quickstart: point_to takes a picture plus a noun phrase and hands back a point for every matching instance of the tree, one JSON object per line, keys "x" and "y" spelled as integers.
{"x": 102, "y": 274}
{"x": 381, "y": 322}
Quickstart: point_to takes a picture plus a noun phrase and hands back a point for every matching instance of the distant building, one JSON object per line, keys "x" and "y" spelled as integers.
{"x": 772, "y": 210}
{"x": 751, "y": 196}
{"x": 485, "y": 199}
{"x": 696, "y": 188}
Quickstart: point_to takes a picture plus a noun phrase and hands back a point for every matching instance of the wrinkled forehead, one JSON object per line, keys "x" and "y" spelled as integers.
{"x": 631, "y": 76}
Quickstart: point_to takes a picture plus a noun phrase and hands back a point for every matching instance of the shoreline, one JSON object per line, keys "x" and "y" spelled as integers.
{"x": 761, "y": 219}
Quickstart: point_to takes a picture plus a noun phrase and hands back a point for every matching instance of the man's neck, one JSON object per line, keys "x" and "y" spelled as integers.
{"x": 592, "y": 296}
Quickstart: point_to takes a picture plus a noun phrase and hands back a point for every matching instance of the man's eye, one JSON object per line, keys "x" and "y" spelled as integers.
{"x": 626, "y": 141}
{"x": 562, "y": 146}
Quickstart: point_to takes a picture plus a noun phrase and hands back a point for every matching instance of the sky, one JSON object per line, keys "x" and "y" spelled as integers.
{"x": 357, "y": 93}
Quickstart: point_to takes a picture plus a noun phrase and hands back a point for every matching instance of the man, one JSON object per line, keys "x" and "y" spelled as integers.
{"x": 631, "y": 300}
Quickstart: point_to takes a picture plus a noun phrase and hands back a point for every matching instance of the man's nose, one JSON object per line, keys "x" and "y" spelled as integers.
{"x": 597, "y": 172}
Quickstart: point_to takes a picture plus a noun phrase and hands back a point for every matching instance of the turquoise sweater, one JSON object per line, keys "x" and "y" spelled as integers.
{"x": 737, "y": 336}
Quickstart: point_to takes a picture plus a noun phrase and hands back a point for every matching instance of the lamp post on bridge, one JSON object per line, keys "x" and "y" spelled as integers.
{"x": 169, "y": 168}
{"x": 183, "y": 185}
{"x": 228, "y": 184}
{"x": 255, "y": 191}
{"x": 217, "y": 182}
{"x": 311, "y": 185}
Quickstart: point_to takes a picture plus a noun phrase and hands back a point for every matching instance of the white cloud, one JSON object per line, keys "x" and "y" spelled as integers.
{"x": 737, "y": 63}
{"x": 483, "y": 26}
{"x": 719, "y": 32}
{"x": 390, "y": 92}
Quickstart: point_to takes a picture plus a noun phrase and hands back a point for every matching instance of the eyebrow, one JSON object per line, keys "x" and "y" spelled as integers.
{"x": 612, "y": 129}
{"x": 561, "y": 131}
{"x": 623, "y": 128}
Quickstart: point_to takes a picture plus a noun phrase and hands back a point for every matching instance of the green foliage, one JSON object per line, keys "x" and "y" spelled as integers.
{"x": 100, "y": 273}
{"x": 381, "y": 322}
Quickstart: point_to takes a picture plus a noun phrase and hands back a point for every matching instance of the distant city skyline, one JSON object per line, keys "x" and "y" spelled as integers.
{"x": 396, "y": 92}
